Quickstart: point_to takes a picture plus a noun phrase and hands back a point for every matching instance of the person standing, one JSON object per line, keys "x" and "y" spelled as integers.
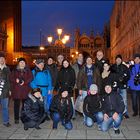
{"x": 4, "y": 89}
{"x": 123, "y": 75}
{"x": 20, "y": 78}
{"x": 60, "y": 59}
{"x": 134, "y": 85}
{"x": 77, "y": 66}
{"x": 42, "y": 79}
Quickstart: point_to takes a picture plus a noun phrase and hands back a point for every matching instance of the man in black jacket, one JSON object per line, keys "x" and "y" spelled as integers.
{"x": 113, "y": 107}
{"x": 123, "y": 75}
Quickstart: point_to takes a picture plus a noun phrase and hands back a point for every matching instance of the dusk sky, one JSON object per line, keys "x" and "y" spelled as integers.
{"x": 49, "y": 15}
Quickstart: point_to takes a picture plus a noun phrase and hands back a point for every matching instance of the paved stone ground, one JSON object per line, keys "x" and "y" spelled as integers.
{"x": 130, "y": 129}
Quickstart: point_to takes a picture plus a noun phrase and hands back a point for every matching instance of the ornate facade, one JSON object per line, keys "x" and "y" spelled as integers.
{"x": 89, "y": 45}
{"x": 125, "y": 29}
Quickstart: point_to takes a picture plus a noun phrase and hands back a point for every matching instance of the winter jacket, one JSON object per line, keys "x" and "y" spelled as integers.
{"x": 20, "y": 91}
{"x": 122, "y": 73}
{"x": 82, "y": 79}
{"x": 66, "y": 80}
{"x": 92, "y": 104}
{"x": 133, "y": 72}
{"x": 99, "y": 64}
{"x": 4, "y": 82}
{"x": 33, "y": 109}
{"x": 76, "y": 68}
{"x": 112, "y": 79}
{"x": 63, "y": 106}
{"x": 54, "y": 72}
{"x": 112, "y": 103}
{"x": 42, "y": 79}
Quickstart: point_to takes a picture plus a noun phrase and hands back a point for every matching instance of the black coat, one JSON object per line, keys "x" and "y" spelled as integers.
{"x": 112, "y": 103}
{"x": 53, "y": 71}
{"x": 112, "y": 79}
{"x": 122, "y": 73}
{"x": 99, "y": 64}
{"x": 4, "y": 82}
{"x": 63, "y": 106}
{"x": 66, "y": 80}
{"x": 33, "y": 109}
{"x": 92, "y": 104}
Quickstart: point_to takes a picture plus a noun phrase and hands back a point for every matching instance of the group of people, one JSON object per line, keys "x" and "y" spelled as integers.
{"x": 50, "y": 91}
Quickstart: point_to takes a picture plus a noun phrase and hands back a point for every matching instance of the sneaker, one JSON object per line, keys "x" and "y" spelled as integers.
{"x": 117, "y": 131}
{"x": 25, "y": 128}
{"x": 16, "y": 121}
{"x": 126, "y": 116}
{"x": 37, "y": 127}
{"x": 7, "y": 124}
{"x": 99, "y": 127}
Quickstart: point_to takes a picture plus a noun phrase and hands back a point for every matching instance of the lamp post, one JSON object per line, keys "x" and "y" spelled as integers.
{"x": 62, "y": 41}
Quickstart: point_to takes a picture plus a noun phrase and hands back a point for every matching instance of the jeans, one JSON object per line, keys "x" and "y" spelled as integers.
{"x": 123, "y": 93}
{"x": 5, "y": 111}
{"x": 56, "y": 119}
{"x": 99, "y": 117}
{"x": 110, "y": 122}
{"x": 135, "y": 96}
{"x": 47, "y": 102}
{"x": 17, "y": 108}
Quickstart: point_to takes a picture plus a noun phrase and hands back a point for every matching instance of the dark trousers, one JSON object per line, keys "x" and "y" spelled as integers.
{"x": 17, "y": 107}
{"x": 135, "y": 96}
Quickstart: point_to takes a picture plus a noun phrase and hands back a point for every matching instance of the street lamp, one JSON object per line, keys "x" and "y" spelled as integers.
{"x": 50, "y": 38}
{"x": 41, "y": 48}
{"x": 59, "y": 31}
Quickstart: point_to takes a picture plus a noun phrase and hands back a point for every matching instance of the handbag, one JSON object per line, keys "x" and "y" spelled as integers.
{"x": 79, "y": 104}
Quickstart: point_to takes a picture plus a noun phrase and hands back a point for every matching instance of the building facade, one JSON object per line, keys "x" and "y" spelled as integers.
{"x": 89, "y": 45}
{"x": 125, "y": 29}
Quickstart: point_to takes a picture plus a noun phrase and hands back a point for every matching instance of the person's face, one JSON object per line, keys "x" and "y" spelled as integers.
{"x": 64, "y": 94}
{"x": 108, "y": 89}
{"x": 65, "y": 64}
{"x": 40, "y": 65}
{"x": 80, "y": 57}
{"x": 118, "y": 61}
{"x": 137, "y": 60}
{"x": 37, "y": 94}
{"x": 89, "y": 61}
{"x": 93, "y": 92}
{"x": 106, "y": 67}
{"x": 99, "y": 55}
{"x": 2, "y": 60}
{"x": 60, "y": 58}
{"x": 50, "y": 61}
{"x": 22, "y": 64}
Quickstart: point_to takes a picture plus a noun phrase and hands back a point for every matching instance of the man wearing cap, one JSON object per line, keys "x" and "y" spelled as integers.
{"x": 123, "y": 75}
{"x": 42, "y": 79}
{"x": 134, "y": 84}
{"x": 4, "y": 89}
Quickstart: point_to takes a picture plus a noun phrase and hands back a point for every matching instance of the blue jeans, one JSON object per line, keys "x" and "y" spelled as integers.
{"x": 5, "y": 111}
{"x": 56, "y": 119}
{"x": 123, "y": 93}
{"x": 135, "y": 96}
{"x": 106, "y": 125}
{"x": 47, "y": 102}
{"x": 99, "y": 117}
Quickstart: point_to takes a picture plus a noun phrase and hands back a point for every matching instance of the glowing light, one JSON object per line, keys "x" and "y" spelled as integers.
{"x": 50, "y": 38}
{"x": 59, "y": 31}
{"x": 42, "y": 48}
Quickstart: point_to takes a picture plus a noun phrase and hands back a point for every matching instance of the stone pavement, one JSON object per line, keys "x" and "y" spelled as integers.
{"x": 130, "y": 129}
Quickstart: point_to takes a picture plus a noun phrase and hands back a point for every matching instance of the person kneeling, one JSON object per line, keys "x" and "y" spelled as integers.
{"x": 61, "y": 109}
{"x": 113, "y": 107}
{"x": 92, "y": 108}
{"x": 32, "y": 114}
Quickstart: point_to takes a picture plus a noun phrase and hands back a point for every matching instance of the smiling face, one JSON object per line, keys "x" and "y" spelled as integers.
{"x": 89, "y": 61}
{"x": 2, "y": 60}
{"x": 137, "y": 60}
{"x": 99, "y": 55}
{"x": 106, "y": 67}
{"x": 64, "y": 94}
{"x": 50, "y": 61}
{"x": 108, "y": 89}
{"x": 65, "y": 64}
{"x": 40, "y": 65}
